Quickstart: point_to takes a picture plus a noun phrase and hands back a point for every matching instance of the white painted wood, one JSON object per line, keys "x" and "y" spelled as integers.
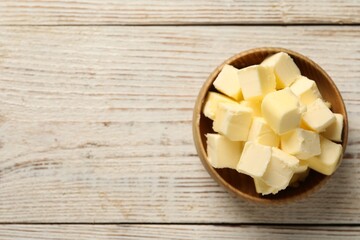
{"x": 96, "y": 124}
{"x": 155, "y": 231}
{"x": 24, "y": 12}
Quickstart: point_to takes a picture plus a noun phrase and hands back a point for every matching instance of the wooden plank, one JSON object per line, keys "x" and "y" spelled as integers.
{"x": 24, "y": 12}
{"x": 138, "y": 231}
{"x": 96, "y": 124}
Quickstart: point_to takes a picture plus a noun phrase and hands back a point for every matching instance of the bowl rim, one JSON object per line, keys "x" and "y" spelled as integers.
{"x": 202, "y": 151}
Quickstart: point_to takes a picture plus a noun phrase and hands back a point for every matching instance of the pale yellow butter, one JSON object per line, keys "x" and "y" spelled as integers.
{"x": 255, "y": 105}
{"x": 284, "y": 68}
{"x": 261, "y": 132}
{"x": 228, "y": 83}
{"x": 306, "y": 90}
{"x": 281, "y": 110}
{"x": 300, "y": 173}
{"x": 318, "y": 116}
{"x": 329, "y": 159}
{"x": 256, "y": 81}
{"x": 280, "y": 169}
{"x": 254, "y": 159}
{"x": 233, "y": 121}
{"x": 263, "y": 188}
{"x": 334, "y": 131}
{"x": 328, "y": 104}
{"x": 281, "y": 128}
{"x": 212, "y": 101}
{"x": 223, "y": 153}
{"x": 301, "y": 143}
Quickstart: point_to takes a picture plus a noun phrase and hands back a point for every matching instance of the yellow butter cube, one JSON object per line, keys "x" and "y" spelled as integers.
{"x": 300, "y": 173}
{"x": 281, "y": 110}
{"x": 284, "y": 68}
{"x": 228, "y": 83}
{"x": 318, "y": 116}
{"x": 233, "y": 121}
{"x": 254, "y": 159}
{"x": 256, "y": 81}
{"x": 306, "y": 90}
{"x": 255, "y": 105}
{"x": 263, "y": 188}
{"x": 301, "y": 143}
{"x": 212, "y": 101}
{"x": 334, "y": 131}
{"x": 261, "y": 132}
{"x": 329, "y": 159}
{"x": 223, "y": 153}
{"x": 280, "y": 169}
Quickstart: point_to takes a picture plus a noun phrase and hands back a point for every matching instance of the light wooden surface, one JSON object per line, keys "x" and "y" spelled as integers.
{"x": 156, "y": 231}
{"x": 85, "y": 12}
{"x": 95, "y": 121}
{"x": 97, "y": 124}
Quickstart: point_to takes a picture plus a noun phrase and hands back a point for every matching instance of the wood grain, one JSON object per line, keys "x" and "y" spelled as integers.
{"x": 156, "y": 231}
{"x": 84, "y": 12}
{"x": 96, "y": 124}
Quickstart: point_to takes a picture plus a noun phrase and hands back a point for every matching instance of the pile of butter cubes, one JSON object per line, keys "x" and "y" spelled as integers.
{"x": 272, "y": 124}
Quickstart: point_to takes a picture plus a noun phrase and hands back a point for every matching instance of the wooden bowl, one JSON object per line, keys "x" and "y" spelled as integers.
{"x": 242, "y": 185}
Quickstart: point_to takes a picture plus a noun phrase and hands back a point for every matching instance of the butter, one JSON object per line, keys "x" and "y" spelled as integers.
{"x": 333, "y": 132}
{"x": 272, "y": 136}
{"x": 255, "y": 105}
{"x": 328, "y": 104}
{"x": 223, "y": 153}
{"x": 261, "y": 132}
{"x": 228, "y": 83}
{"x": 212, "y": 101}
{"x": 300, "y": 174}
{"x": 306, "y": 90}
{"x": 329, "y": 159}
{"x": 254, "y": 159}
{"x": 256, "y": 81}
{"x": 301, "y": 143}
{"x": 280, "y": 169}
{"x": 284, "y": 68}
{"x": 233, "y": 121}
{"x": 263, "y": 188}
{"x": 318, "y": 116}
{"x": 281, "y": 110}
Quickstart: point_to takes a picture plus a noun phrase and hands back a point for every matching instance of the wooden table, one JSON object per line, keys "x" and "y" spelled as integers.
{"x": 96, "y": 102}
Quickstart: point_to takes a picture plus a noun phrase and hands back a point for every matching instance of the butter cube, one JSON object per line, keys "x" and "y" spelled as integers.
{"x": 256, "y": 81}
{"x": 263, "y": 188}
{"x": 328, "y": 104}
{"x": 281, "y": 110}
{"x": 228, "y": 83}
{"x": 318, "y": 116}
{"x": 233, "y": 121}
{"x": 306, "y": 90}
{"x": 280, "y": 169}
{"x": 212, "y": 101}
{"x": 300, "y": 173}
{"x": 333, "y": 132}
{"x": 329, "y": 159}
{"x": 284, "y": 68}
{"x": 255, "y": 105}
{"x": 261, "y": 132}
{"x": 223, "y": 153}
{"x": 301, "y": 143}
{"x": 254, "y": 159}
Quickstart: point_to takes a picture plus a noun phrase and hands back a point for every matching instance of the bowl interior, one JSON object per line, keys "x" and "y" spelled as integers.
{"x": 241, "y": 184}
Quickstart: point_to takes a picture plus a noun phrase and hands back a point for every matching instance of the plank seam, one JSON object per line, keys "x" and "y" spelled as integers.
{"x": 192, "y": 223}
{"x": 185, "y": 25}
